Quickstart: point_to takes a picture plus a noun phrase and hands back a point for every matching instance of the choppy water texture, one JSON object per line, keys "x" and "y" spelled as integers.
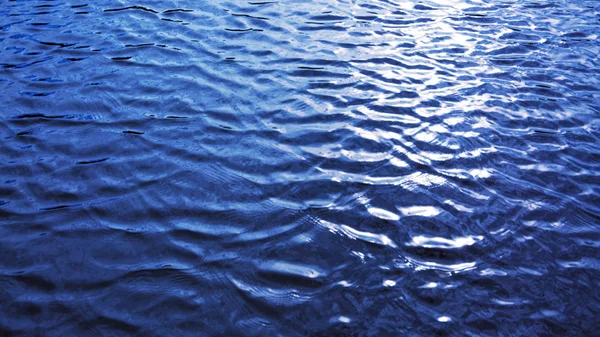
{"x": 300, "y": 168}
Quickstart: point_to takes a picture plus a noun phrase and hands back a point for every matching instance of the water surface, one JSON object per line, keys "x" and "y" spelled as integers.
{"x": 299, "y": 168}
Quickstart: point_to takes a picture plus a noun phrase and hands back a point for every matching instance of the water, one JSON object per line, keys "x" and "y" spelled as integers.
{"x": 300, "y": 168}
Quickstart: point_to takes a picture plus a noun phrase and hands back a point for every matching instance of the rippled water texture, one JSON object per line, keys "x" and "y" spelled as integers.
{"x": 300, "y": 168}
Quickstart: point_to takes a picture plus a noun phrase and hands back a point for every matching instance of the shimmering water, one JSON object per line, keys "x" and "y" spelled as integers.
{"x": 300, "y": 168}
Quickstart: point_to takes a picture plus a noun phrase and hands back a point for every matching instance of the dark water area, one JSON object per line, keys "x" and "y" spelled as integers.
{"x": 300, "y": 168}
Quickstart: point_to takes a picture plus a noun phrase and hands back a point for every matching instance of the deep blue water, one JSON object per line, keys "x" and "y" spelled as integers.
{"x": 300, "y": 168}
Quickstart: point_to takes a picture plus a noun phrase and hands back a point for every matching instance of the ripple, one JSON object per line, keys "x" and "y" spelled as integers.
{"x": 323, "y": 168}
{"x": 356, "y": 234}
{"x": 422, "y": 241}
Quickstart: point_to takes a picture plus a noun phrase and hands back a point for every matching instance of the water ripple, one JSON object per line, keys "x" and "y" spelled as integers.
{"x": 325, "y": 167}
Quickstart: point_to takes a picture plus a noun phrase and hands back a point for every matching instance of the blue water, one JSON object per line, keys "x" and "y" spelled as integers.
{"x": 300, "y": 168}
